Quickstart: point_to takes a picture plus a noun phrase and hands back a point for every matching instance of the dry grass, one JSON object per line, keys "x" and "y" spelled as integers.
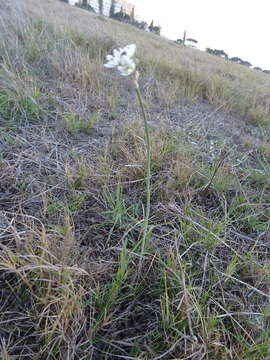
{"x": 183, "y": 71}
{"x": 72, "y": 187}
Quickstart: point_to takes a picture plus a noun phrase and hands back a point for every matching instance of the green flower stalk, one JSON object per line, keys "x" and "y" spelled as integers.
{"x": 148, "y": 163}
{"x": 123, "y": 60}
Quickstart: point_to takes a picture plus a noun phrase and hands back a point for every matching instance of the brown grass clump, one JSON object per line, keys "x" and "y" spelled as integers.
{"x": 264, "y": 149}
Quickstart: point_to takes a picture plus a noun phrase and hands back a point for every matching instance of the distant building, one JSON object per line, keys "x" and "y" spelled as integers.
{"x": 126, "y": 6}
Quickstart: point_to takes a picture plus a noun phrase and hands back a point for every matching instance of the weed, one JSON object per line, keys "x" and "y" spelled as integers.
{"x": 74, "y": 124}
{"x": 78, "y": 179}
{"x": 114, "y": 202}
{"x": 259, "y": 116}
{"x": 264, "y": 150}
{"x": 16, "y": 109}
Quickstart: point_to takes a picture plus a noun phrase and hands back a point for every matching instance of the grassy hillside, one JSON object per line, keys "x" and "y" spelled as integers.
{"x": 78, "y": 279}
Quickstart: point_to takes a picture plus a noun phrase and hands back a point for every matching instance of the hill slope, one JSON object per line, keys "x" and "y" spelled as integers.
{"x": 78, "y": 278}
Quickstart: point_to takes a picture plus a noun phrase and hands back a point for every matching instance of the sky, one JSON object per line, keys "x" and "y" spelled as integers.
{"x": 239, "y": 27}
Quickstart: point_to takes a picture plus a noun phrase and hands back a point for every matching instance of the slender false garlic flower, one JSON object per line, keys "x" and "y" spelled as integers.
{"x": 123, "y": 60}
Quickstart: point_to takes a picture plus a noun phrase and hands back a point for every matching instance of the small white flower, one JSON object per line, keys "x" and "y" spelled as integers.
{"x": 122, "y": 59}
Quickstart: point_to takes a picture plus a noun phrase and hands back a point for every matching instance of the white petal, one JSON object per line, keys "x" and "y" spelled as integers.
{"x": 126, "y": 70}
{"x": 116, "y": 62}
{"x": 122, "y": 71}
{"x": 117, "y": 53}
{"x": 112, "y": 61}
{"x": 125, "y": 60}
{"x": 110, "y": 65}
{"x": 130, "y": 50}
{"x": 109, "y": 57}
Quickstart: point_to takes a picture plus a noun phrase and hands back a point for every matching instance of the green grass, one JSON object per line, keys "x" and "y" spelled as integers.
{"x": 74, "y": 125}
{"x": 16, "y": 109}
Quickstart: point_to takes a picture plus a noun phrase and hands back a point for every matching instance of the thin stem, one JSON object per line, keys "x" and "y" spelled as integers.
{"x": 148, "y": 169}
{"x": 218, "y": 165}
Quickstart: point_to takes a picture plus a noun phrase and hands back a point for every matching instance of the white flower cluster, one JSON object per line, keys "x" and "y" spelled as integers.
{"x": 123, "y": 60}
